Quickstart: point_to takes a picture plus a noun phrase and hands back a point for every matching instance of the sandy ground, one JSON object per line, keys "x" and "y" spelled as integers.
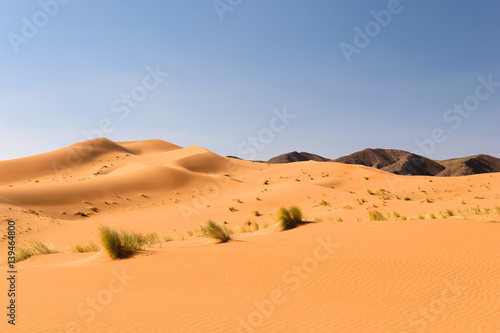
{"x": 432, "y": 264}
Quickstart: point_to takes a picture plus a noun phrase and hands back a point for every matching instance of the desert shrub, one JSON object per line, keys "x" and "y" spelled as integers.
{"x": 289, "y": 218}
{"x": 24, "y": 252}
{"x": 375, "y": 215}
{"x": 120, "y": 244}
{"x": 82, "y": 214}
{"x": 256, "y": 213}
{"x": 221, "y": 233}
{"x": 90, "y": 247}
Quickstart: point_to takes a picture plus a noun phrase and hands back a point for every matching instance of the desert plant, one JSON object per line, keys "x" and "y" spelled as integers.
{"x": 81, "y": 214}
{"x": 256, "y": 213}
{"x": 120, "y": 244}
{"x": 406, "y": 198}
{"x": 221, "y": 233}
{"x": 24, "y": 252}
{"x": 360, "y": 201}
{"x": 375, "y": 215}
{"x": 90, "y": 247}
{"x": 289, "y": 218}
{"x": 94, "y": 209}
{"x": 232, "y": 209}
{"x": 370, "y": 192}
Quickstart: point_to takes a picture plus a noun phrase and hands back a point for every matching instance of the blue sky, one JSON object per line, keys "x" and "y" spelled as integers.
{"x": 60, "y": 81}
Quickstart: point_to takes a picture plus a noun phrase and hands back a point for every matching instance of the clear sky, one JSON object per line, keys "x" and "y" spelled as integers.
{"x": 349, "y": 75}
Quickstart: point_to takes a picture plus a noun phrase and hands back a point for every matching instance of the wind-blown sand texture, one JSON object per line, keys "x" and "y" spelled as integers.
{"x": 431, "y": 265}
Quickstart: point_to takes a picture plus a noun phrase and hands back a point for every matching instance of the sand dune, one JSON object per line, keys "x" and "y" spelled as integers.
{"x": 429, "y": 264}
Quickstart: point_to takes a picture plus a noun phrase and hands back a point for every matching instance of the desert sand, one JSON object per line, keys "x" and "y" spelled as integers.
{"x": 430, "y": 264}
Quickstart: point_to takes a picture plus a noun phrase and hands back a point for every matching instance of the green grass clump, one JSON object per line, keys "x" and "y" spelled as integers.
{"x": 24, "y": 252}
{"x": 289, "y": 218}
{"x": 375, "y": 215}
{"x": 323, "y": 203}
{"x": 122, "y": 244}
{"x": 221, "y": 233}
{"x": 90, "y": 247}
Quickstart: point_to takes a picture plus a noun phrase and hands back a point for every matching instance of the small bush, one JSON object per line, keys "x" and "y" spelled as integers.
{"x": 94, "y": 209}
{"x": 81, "y": 214}
{"x": 221, "y": 233}
{"x": 24, "y": 252}
{"x": 256, "y": 213}
{"x": 289, "y": 218}
{"x": 375, "y": 215}
{"x": 232, "y": 209}
{"x": 406, "y": 198}
{"x": 90, "y": 247}
{"x": 120, "y": 244}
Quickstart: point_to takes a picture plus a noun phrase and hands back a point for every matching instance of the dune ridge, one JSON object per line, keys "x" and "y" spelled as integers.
{"x": 428, "y": 262}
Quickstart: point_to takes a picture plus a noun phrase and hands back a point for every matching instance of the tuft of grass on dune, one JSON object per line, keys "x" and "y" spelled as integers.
{"x": 375, "y": 215}
{"x": 24, "y": 252}
{"x": 121, "y": 244}
{"x": 289, "y": 218}
{"x": 221, "y": 233}
{"x": 90, "y": 247}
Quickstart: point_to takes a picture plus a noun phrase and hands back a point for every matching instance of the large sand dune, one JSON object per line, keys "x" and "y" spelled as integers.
{"x": 431, "y": 264}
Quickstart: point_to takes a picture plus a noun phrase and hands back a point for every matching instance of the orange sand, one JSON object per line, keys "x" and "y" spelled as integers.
{"x": 342, "y": 273}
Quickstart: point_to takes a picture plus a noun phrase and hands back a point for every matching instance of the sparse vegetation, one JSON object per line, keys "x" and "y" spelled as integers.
{"x": 289, "y": 218}
{"x": 375, "y": 215}
{"x": 94, "y": 209}
{"x": 256, "y": 213}
{"x": 24, "y": 252}
{"x": 221, "y": 233}
{"x": 121, "y": 244}
{"x": 81, "y": 214}
{"x": 232, "y": 209}
{"x": 90, "y": 247}
{"x": 406, "y": 198}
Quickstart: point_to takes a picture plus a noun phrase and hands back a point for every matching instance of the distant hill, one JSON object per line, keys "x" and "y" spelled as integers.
{"x": 471, "y": 165}
{"x": 392, "y": 160}
{"x": 401, "y": 162}
{"x": 297, "y": 157}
